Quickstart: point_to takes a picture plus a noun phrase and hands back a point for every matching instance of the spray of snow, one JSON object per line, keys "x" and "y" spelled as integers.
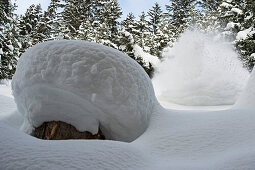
{"x": 247, "y": 98}
{"x": 200, "y": 70}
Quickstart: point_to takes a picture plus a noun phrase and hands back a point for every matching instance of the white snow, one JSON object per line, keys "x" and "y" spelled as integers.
{"x": 237, "y": 10}
{"x": 201, "y": 71}
{"x": 7, "y": 105}
{"x": 147, "y": 58}
{"x": 226, "y": 5}
{"x": 232, "y": 25}
{"x": 8, "y": 109}
{"x": 248, "y": 16}
{"x": 247, "y": 99}
{"x": 253, "y": 55}
{"x": 20, "y": 151}
{"x": 241, "y": 35}
{"x": 200, "y": 139}
{"x": 175, "y": 139}
{"x": 5, "y": 88}
{"x": 10, "y": 47}
{"x": 84, "y": 84}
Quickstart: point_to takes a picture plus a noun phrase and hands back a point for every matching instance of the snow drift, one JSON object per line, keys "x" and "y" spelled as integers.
{"x": 200, "y": 70}
{"x": 84, "y": 84}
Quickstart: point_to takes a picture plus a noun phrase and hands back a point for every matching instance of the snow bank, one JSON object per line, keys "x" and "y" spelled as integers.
{"x": 84, "y": 84}
{"x": 247, "y": 98}
{"x": 199, "y": 70}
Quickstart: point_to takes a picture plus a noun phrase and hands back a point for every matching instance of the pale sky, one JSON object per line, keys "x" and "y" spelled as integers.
{"x": 134, "y": 6}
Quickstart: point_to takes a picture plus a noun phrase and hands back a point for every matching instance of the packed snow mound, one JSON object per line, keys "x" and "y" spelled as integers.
{"x": 247, "y": 98}
{"x": 200, "y": 70}
{"x": 84, "y": 84}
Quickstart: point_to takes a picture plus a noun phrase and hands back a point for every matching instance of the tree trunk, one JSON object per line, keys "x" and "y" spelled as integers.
{"x": 57, "y": 130}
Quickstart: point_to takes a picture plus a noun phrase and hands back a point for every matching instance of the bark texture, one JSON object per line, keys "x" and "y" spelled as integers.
{"x": 57, "y": 130}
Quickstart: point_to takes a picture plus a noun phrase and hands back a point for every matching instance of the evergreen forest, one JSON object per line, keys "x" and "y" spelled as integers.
{"x": 101, "y": 21}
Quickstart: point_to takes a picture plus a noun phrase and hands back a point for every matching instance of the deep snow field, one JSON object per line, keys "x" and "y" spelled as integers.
{"x": 204, "y": 134}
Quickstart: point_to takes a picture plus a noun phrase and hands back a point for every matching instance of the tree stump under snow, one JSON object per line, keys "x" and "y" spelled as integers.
{"x": 57, "y": 130}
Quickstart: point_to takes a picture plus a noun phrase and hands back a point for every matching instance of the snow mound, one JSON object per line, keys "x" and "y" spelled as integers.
{"x": 200, "y": 70}
{"x": 85, "y": 84}
{"x": 247, "y": 98}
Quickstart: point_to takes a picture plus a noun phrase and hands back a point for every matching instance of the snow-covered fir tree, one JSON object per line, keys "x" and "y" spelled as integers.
{"x": 99, "y": 21}
{"x": 245, "y": 40}
{"x": 142, "y": 31}
{"x": 155, "y": 17}
{"x": 180, "y": 13}
{"x": 9, "y": 40}
{"x": 109, "y": 13}
{"x": 32, "y": 28}
{"x": 53, "y": 20}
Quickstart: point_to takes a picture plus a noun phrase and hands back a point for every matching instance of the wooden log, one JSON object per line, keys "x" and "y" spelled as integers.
{"x": 58, "y": 130}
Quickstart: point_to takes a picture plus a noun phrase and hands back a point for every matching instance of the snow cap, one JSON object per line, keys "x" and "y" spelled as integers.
{"x": 84, "y": 84}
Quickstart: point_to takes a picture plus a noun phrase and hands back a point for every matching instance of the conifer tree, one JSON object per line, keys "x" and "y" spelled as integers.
{"x": 245, "y": 44}
{"x": 155, "y": 17}
{"x": 126, "y": 35}
{"x": 210, "y": 5}
{"x": 32, "y": 28}
{"x": 231, "y": 15}
{"x": 108, "y": 13}
{"x": 142, "y": 30}
{"x": 180, "y": 12}
{"x": 53, "y": 20}
{"x": 9, "y": 40}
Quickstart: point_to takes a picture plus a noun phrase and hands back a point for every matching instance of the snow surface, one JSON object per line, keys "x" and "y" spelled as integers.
{"x": 200, "y": 71}
{"x": 85, "y": 84}
{"x": 20, "y": 151}
{"x": 174, "y": 139}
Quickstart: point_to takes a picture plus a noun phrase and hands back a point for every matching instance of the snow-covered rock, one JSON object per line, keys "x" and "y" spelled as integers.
{"x": 84, "y": 84}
